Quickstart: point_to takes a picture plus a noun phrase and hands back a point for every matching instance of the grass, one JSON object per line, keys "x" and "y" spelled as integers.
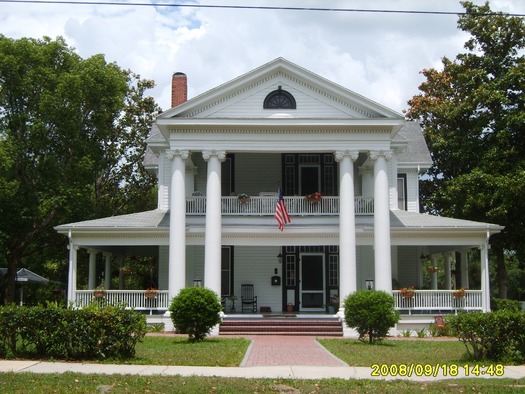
{"x": 15, "y": 383}
{"x": 213, "y": 352}
{"x": 359, "y": 354}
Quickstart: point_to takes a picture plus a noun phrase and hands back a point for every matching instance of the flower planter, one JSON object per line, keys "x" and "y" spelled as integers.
{"x": 150, "y": 294}
{"x": 99, "y": 293}
{"x": 244, "y": 200}
{"x": 289, "y": 307}
{"x": 408, "y": 294}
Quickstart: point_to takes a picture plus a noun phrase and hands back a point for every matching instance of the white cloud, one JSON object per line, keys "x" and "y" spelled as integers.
{"x": 377, "y": 55}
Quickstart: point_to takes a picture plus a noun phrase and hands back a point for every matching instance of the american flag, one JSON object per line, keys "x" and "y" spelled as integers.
{"x": 281, "y": 213}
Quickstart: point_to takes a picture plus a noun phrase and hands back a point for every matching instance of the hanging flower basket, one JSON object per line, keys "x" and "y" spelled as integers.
{"x": 459, "y": 293}
{"x": 243, "y": 198}
{"x": 408, "y": 292}
{"x": 151, "y": 292}
{"x": 314, "y": 198}
{"x": 126, "y": 271}
{"x": 432, "y": 269}
{"x": 99, "y": 293}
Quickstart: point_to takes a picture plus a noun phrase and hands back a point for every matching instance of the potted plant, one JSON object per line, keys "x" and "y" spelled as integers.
{"x": 460, "y": 293}
{"x": 151, "y": 292}
{"x": 333, "y": 305}
{"x": 314, "y": 198}
{"x": 408, "y": 292}
{"x": 126, "y": 271}
{"x": 431, "y": 269}
{"x": 289, "y": 307}
{"x": 99, "y": 292}
{"x": 243, "y": 198}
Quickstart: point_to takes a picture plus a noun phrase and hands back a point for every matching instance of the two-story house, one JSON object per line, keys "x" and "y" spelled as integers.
{"x": 281, "y": 126}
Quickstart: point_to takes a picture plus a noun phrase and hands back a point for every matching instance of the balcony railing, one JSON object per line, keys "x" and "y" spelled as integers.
{"x": 265, "y": 206}
{"x": 134, "y": 299}
{"x": 427, "y": 300}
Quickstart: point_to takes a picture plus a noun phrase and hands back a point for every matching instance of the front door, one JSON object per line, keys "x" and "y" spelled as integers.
{"x": 311, "y": 287}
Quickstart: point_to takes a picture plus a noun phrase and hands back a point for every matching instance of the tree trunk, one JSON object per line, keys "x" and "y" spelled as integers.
{"x": 10, "y": 280}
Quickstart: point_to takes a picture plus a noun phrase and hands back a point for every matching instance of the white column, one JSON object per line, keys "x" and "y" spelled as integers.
{"x": 485, "y": 282}
{"x": 177, "y": 240}
{"x": 447, "y": 271}
{"x": 382, "y": 253}
{"x": 213, "y": 242}
{"x": 92, "y": 278}
{"x": 72, "y": 274}
{"x": 464, "y": 269}
{"x": 434, "y": 276}
{"x": 107, "y": 271}
{"x": 347, "y": 242}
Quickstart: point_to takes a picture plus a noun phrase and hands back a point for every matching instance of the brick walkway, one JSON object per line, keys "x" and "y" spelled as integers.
{"x": 270, "y": 350}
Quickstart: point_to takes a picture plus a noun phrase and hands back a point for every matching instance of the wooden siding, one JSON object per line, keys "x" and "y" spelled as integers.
{"x": 256, "y": 265}
{"x": 163, "y": 267}
{"x": 412, "y": 191}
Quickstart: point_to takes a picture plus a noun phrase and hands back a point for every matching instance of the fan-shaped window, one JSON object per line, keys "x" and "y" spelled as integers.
{"x": 279, "y": 99}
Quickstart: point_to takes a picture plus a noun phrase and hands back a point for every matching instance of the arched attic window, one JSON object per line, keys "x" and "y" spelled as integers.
{"x": 279, "y": 99}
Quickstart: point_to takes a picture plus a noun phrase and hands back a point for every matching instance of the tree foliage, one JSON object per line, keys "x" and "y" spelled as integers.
{"x": 472, "y": 113}
{"x": 72, "y": 139}
{"x": 195, "y": 311}
{"x": 372, "y": 313}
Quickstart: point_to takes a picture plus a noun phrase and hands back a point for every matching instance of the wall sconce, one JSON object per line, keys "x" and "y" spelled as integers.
{"x": 280, "y": 258}
{"x": 369, "y": 283}
{"x": 197, "y": 282}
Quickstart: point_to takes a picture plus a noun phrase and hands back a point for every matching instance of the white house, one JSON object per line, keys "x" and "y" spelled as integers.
{"x": 283, "y": 126}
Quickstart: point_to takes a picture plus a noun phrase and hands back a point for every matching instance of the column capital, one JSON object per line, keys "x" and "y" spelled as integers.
{"x": 339, "y": 155}
{"x": 172, "y": 153}
{"x": 221, "y": 155}
{"x": 387, "y": 154}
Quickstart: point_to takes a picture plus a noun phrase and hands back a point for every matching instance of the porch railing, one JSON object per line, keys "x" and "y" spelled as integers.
{"x": 427, "y": 300}
{"x": 265, "y": 206}
{"x": 134, "y": 299}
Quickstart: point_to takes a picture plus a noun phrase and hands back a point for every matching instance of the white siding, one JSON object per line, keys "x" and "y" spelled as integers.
{"x": 412, "y": 191}
{"x": 256, "y": 265}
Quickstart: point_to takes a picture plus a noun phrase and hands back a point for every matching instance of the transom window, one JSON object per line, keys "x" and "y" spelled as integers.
{"x": 279, "y": 99}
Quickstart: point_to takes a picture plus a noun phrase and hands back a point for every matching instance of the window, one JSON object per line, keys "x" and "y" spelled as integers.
{"x": 279, "y": 99}
{"x": 401, "y": 192}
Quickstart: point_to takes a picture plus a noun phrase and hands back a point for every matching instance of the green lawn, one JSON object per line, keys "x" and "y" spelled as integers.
{"x": 67, "y": 383}
{"x": 213, "y": 352}
{"x": 423, "y": 351}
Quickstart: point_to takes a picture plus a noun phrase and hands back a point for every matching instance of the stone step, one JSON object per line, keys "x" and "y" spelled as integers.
{"x": 280, "y": 326}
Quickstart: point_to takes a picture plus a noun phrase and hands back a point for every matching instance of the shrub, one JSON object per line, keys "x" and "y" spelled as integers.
{"x": 497, "y": 336}
{"x": 371, "y": 313}
{"x": 499, "y": 304}
{"x": 195, "y": 311}
{"x": 56, "y": 332}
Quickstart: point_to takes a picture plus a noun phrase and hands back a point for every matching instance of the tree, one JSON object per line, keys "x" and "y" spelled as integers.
{"x": 472, "y": 114}
{"x": 72, "y": 138}
{"x": 372, "y": 313}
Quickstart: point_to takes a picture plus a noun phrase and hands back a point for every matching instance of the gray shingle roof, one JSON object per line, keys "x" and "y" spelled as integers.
{"x": 417, "y": 149}
{"x": 159, "y": 219}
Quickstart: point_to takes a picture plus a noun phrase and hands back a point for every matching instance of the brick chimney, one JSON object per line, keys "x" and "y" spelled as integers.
{"x": 179, "y": 89}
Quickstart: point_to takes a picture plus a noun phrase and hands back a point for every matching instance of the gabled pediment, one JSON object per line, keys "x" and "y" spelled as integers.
{"x": 315, "y": 97}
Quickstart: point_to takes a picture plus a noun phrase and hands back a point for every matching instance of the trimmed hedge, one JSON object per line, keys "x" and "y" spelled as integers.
{"x": 53, "y": 332}
{"x": 497, "y": 336}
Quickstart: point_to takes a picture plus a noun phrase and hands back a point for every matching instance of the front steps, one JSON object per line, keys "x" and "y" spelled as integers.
{"x": 282, "y": 325}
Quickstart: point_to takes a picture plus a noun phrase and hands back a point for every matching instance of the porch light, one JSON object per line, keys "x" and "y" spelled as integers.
{"x": 197, "y": 282}
{"x": 280, "y": 258}
{"x": 369, "y": 283}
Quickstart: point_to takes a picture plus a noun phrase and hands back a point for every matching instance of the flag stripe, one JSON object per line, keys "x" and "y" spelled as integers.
{"x": 281, "y": 213}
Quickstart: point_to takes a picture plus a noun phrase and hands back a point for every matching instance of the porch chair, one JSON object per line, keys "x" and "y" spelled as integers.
{"x": 248, "y": 299}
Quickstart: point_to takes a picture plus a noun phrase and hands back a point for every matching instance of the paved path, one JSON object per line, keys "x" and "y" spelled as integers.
{"x": 271, "y": 350}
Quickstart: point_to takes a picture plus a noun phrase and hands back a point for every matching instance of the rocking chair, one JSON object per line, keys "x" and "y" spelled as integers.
{"x": 248, "y": 299}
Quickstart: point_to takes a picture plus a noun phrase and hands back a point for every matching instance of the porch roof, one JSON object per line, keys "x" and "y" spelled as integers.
{"x": 158, "y": 220}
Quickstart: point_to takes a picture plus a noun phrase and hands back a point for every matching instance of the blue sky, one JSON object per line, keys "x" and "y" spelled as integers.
{"x": 376, "y": 55}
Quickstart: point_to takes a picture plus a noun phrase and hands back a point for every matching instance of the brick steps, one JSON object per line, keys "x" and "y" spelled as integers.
{"x": 282, "y": 326}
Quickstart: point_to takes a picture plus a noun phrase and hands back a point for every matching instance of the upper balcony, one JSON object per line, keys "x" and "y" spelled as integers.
{"x": 265, "y": 206}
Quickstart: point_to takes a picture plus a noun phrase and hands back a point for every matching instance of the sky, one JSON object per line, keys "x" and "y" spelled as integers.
{"x": 378, "y": 55}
